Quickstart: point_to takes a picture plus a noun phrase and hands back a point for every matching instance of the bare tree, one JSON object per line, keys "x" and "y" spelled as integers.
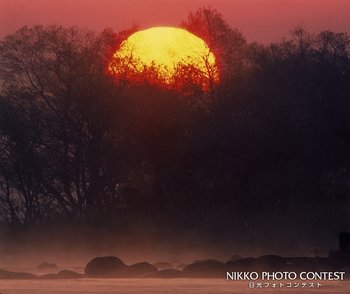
{"x": 54, "y": 78}
{"x": 226, "y": 43}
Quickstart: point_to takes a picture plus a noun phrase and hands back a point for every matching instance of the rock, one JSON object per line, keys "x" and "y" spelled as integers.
{"x": 47, "y": 266}
{"x": 13, "y": 275}
{"x": 242, "y": 264}
{"x": 106, "y": 266}
{"x": 163, "y": 265}
{"x": 181, "y": 266}
{"x": 235, "y": 257}
{"x": 346, "y": 270}
{"x": 141, "y": 269}
{"x": 68, "y": 274}
{"x": 167, "y": 274}
{"x": 205, "y": 268}
{"x": 271, "y": 262}
{"x": 48, "y": 276}
{"x": 79, "y": 268}
{"x": 268, "y": 263}
{"x": 344, "y": 243}
{"x": 64, "y": 274}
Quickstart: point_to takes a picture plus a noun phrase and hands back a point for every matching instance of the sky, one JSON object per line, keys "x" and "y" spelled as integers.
{"x": 259, "y": 20}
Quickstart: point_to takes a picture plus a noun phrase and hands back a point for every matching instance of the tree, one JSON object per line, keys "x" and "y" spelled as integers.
{"x": 227, "y": 43}
{"x": 334, "y": 44}
{"x": 55, "y": 81}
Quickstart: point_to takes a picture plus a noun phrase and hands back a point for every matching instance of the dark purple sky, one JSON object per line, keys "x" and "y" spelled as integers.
{"x": 259, "y": 20}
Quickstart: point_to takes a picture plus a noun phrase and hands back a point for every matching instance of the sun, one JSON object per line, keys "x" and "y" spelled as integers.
{"x": 168, "y": 54}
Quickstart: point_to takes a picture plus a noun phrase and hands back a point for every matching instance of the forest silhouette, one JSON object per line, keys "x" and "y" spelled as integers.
{"x": 260, "y": 158}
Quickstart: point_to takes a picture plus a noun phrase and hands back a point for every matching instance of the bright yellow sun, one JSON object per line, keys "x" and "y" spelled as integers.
{"x": 169, "y": 52}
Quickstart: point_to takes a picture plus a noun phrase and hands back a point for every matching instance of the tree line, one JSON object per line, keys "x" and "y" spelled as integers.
{"x": 270, "y": 142}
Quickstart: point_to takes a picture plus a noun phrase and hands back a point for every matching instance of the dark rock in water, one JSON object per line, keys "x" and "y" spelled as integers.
{"x": 242, "y": 264}
{"x": 79, "y": 268}
{"x": 163, "y": 265}
{"x": 48, "y": 276}
{"x": 13, "y": 275}
{"x": 344, "y": 243}
{"x": 262, "y": 263}
{"x": 205, "y": 268}
{"x": 271, "y": 262}
{"x": 235, "y": 257}
{"x": 47, "y": 266}
{"x": 347, "y": 271}
{"x": 106, "y": 266}
{"x": 181, "y": 266}
{"x": 246, "y": 261}
{"x": 167, "y": 274}
{"x": 141, "y": 269}
{"x": 64, "y": 274}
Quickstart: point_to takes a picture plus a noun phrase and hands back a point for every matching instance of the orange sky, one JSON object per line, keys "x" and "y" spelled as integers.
{"x": 259, "y": 20}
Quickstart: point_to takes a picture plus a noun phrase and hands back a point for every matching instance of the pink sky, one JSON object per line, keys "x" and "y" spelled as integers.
{"x": 259, "y": 20}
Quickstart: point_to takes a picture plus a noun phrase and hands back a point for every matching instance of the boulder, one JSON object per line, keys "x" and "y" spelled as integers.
{"x": 141, "y": 269}
{"x": 205, "y": 268}
{"x": 64, "y": 274}
{"x": 163, "y": 265}
{"x": 181, "y": 266}
{"x": 234, "y": 258}
{"x": 167, "y": 274}
{"x": 242, "y": 264}
{"x": 106, "y": 266}
{"x": 344, "y": 243}
{"x": 14, "y": 275}
{"x": 68, "y": 274}
{"x": 271, "y": 262}
{"x": 47, "y": 266}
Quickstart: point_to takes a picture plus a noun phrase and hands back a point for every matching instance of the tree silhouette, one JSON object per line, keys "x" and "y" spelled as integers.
{"x": 57, "y": 89}
{"x": 227, "y": 43}
{"x": 269, "y": 142}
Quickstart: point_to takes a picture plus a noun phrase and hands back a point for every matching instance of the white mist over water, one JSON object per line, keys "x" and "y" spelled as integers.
{"x": 153, "y": 286}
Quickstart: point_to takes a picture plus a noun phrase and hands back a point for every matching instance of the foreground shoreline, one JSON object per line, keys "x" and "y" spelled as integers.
{"x": 153, "y": 286}
{"x": 270, "y": 267}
